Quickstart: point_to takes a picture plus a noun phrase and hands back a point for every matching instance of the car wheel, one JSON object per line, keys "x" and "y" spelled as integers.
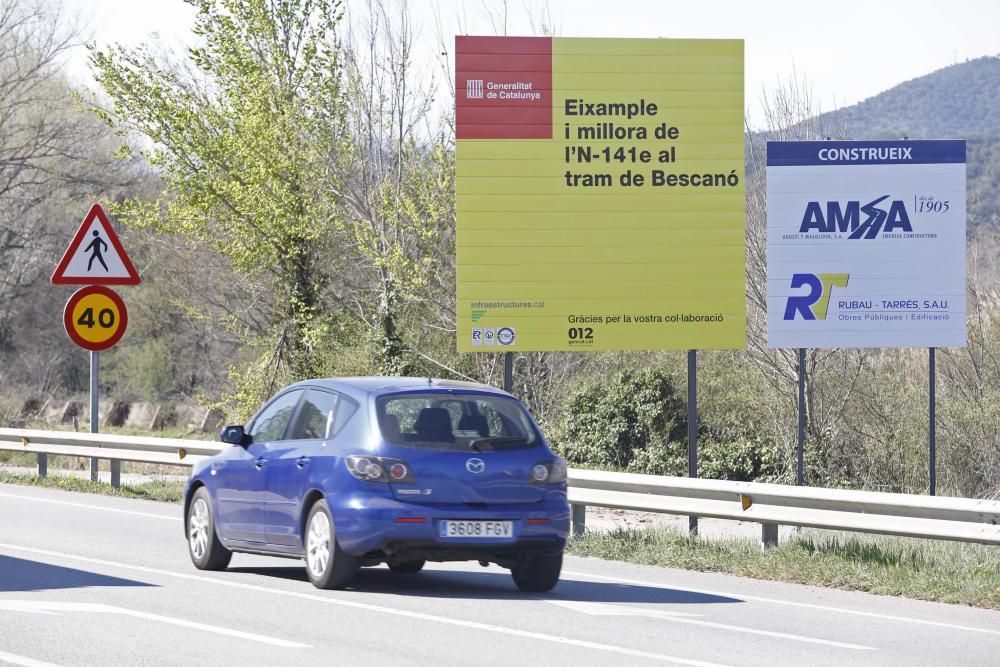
{"x": 207, "y": 552}
{"x": 326, "y": 564}
{"x": 408, "y": 567}
{"x": 538, "y": 573}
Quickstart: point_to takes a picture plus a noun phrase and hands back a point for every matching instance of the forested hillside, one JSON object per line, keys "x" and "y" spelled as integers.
{"x": 961, "y": 101}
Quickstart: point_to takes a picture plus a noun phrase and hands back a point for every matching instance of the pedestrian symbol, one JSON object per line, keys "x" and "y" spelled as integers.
{"x": 95, "y": 248}
{"x": 95, "y": 256}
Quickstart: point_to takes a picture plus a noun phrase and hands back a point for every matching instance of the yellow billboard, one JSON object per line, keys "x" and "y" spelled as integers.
{"x": 600, "y": 194}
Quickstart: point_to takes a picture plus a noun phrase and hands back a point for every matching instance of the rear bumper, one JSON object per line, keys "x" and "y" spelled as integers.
{"x": 369, "y": 525}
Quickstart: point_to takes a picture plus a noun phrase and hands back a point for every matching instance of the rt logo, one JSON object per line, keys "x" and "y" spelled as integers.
{"x": 813, "y": 306}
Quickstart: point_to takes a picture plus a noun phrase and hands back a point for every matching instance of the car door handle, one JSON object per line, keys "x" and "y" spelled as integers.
{"x": 260, "y": 463}
{"x": 302, "y": 462}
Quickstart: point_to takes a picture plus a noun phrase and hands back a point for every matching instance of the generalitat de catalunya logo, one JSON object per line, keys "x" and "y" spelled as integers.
{"x": 814, "y": 304}
{"x": 847, "y": 218}
{"x": 474, "y": 89}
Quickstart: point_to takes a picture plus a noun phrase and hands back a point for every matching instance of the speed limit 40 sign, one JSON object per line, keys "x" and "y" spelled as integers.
{"x": 95, "y": 318}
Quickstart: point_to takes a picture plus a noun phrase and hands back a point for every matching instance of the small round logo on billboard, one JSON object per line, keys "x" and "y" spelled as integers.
{"x": 505, "y": 335}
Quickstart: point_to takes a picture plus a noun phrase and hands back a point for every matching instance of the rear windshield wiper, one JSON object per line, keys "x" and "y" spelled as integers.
{"x": 476, "y": 443}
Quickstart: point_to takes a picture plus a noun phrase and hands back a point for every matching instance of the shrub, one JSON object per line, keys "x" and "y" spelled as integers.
{"x": 606, "y": 423}
{"x": 741, "y": 458}
{"x": 659, "y": 458}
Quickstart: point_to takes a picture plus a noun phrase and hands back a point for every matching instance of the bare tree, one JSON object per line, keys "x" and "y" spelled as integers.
{"x": 397, "y": 188}
{"x": 790, "y": 113}
{"x": 54, "y": 160}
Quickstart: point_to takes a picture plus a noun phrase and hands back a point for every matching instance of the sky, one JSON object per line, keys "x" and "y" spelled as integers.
{"x": 846, "y": 51}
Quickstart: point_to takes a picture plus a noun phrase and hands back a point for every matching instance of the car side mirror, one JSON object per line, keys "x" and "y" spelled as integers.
{"x": 234, "y": 435}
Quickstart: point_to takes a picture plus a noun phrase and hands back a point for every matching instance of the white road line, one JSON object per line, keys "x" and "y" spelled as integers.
{"x": 473, "y": 625}
{"x": 26, "y": 606}
{"x": 91, "y": 507}
{"x": 805, "y": 605}
{"x": 604, "y": 609}
{"x": 20, "y": 660}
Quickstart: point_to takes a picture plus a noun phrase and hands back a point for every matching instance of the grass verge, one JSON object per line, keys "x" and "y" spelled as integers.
{"x": 164, "y": 491}
{"x": 922, "y": 569}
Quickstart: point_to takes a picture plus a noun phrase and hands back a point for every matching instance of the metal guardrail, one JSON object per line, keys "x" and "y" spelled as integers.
{"x": 771, "y": 505}
{"x": 169, "y": 451}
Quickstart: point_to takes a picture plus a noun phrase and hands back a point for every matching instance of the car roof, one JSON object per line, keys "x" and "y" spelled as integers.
{"x": 386, "y": 385}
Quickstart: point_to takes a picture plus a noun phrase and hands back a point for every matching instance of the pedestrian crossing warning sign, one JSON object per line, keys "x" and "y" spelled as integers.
{"x": 95, "y": 256}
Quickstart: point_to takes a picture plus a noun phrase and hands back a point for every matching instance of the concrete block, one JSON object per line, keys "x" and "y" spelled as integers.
{"x": 212, "y": 421}
{"x": 72, "y": 409}
{"x": 52, "y": 411}
{"x": 190, "y": 415}
{"x": 142, "y": 414}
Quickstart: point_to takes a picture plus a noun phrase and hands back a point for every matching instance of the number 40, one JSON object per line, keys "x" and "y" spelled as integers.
{"x": 105, "y": 318}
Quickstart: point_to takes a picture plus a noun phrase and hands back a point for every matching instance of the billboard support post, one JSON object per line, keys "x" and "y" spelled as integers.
{"x": 508, "y": 371}
{"x": 800, "y": 469}
{"x": 693, "y": 427}
{"x": 932, "y": 463}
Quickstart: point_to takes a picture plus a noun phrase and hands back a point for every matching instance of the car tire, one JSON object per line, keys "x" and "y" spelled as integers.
{"x": 538, "y": 573}
{"x": 407, "y": 567}
{"x": 327, "y": 565}
{"x": 204, "y": 547}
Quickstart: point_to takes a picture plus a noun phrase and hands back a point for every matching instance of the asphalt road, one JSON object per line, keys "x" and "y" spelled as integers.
{"x": 93, "y": 580}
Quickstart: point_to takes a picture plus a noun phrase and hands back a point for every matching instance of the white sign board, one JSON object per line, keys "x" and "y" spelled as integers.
{"x": 866, "y": 244}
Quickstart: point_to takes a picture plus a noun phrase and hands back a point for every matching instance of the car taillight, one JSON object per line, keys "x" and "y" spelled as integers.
{"x": 549, "y": 472}
{"x": 378, "y": 469}
{"x": 557, "y": 471}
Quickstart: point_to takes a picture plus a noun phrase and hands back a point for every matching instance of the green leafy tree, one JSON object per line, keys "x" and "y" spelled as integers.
{"x": 244, "y": 134}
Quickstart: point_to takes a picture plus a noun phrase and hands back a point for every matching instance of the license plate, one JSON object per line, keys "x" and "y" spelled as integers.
{"x": 477, "y": 529}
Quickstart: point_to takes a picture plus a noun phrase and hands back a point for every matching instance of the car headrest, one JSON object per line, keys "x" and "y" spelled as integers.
{"x": 474, "y": 423}
{"x": 434, "y": 424}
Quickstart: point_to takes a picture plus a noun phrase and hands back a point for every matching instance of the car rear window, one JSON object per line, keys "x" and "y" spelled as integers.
{"x": 453, "y": 420}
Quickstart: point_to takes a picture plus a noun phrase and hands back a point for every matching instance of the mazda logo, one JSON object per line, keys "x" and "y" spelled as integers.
{"x": 475, "y": 466}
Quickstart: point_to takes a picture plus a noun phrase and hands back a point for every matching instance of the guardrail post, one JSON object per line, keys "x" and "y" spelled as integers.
{"x": 769, "y": 535}
{"x": 43, "y": 465}
{"x": 579, "y": 519}
{"x": 116, "y": 473}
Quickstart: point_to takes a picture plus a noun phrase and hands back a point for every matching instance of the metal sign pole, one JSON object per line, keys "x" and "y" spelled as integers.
{"x": 693, "y": 427}
{"x": 508, "y": 371}
{"x": 94, "y": 415}
{"x": 800, "y": 471}
{"x": 933, "y": 410}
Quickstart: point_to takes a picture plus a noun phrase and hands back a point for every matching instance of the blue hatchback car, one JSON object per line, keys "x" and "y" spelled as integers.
{"x": 354, "y": 472}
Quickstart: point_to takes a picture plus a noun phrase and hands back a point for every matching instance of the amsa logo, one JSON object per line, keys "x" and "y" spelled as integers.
{"x": 879, "y": 217}
{"x": 813, "y": 304}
